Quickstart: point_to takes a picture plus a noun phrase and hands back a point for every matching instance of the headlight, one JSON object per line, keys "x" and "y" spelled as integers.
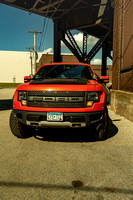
{"x": 91, "y": 98}
{"x": 22, "y": 96}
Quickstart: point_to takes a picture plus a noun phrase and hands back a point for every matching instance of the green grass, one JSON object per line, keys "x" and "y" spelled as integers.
{"x": 9, "y": 85}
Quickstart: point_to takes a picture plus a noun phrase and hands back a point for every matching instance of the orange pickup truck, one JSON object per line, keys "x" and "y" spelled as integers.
{"x": 60, "y": 95}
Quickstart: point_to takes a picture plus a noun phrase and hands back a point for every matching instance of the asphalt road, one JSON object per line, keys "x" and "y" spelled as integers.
{"x": 64, "y": 166}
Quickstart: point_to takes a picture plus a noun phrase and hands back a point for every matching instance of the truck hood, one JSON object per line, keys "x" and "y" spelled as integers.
{"x": 62, "y": 85}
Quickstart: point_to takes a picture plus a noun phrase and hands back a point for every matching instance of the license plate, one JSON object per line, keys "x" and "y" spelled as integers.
{"x": 54, "y": 116}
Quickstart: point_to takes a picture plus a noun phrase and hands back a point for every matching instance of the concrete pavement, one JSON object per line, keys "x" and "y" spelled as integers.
{"x": 64, "y": 166}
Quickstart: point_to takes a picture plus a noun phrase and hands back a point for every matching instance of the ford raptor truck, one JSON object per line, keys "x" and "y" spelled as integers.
{"x": 60, "y": 95}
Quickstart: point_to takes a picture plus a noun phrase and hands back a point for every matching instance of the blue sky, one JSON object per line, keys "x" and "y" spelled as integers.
{"x": 14, "y": 35}
{"x": 16, "y": 23}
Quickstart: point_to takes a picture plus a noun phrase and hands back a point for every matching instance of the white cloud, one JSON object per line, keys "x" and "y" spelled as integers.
{"x": 79, "y": 39}
{"x": 49, "y": 50}
{"x": 109, "y": 61}
{"x": 96, "y": 61}
{"x": 91, "y": 41}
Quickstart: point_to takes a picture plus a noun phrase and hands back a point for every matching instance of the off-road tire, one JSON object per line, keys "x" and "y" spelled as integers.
{"x": 102, "y": 129}
{"x": 18, "y": 129}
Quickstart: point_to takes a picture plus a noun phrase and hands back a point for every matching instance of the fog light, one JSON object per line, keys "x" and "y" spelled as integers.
{"x": 89, "y": 103}
{"x": 24, "y": 102}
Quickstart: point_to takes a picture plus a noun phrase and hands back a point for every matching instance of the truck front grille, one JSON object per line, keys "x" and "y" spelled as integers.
{"x": 57, "y": 93}
{"x": 56, "y": 99}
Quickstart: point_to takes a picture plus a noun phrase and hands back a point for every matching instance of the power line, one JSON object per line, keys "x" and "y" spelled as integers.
{"x": 44, "y": 23}
{"x": 44, "y": 29}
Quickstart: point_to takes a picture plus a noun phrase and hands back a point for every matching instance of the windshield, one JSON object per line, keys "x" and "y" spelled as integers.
{"x": 65, "y": 72}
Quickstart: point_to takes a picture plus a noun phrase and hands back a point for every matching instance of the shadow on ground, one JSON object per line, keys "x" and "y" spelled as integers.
{"x": 72, "y": 135}
{"x": 6, "y": 104}
{"x": 68, "y": 187}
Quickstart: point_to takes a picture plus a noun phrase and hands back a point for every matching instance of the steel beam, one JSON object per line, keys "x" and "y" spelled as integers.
{"x": 94, "y": 51}
{"x": 73, "y": 42}
{"x": 84, "y": 45}
{"x": 57, "y": 42}
{"x": 74, "y": 51}
{"x": 97, "y": 47}
{"x": 73, "y": 46}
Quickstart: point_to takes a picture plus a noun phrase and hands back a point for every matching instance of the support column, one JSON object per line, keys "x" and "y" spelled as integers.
{"x": 57, "y": 42}
{"x": 104, "y": 60}
{"x": 117, "y": 44}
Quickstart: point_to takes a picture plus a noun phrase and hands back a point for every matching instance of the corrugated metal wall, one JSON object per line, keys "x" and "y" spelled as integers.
{"x": 123, "y": 45}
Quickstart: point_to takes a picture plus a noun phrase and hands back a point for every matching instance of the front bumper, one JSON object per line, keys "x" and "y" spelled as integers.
{"x": 72, "y": 120}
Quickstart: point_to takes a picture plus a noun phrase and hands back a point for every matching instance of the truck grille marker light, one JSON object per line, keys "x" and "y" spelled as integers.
{"x": 89, "y": 103}
{"x": 24, "y": 102}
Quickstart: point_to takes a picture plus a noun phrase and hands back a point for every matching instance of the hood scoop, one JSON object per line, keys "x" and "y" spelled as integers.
{"x": 60, "y": 81}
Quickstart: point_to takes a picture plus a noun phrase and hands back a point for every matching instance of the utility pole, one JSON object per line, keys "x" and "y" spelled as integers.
{"x": 30, "y": 49}
{"x": 35, "y": 33}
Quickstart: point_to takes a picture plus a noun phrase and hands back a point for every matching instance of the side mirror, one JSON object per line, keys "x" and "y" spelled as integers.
{"x": 104, "y": 79}
{"x": 28, "y": 78}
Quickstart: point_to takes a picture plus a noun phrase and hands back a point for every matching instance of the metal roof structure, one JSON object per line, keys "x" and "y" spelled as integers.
{"x": 91, "y": 16}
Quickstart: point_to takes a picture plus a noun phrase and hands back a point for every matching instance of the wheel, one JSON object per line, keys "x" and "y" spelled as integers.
{"x": 102, "y": 128}
{"x": 18, "y": 129}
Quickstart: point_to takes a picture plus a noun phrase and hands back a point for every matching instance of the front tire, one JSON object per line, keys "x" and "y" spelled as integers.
{"x": 18, "y": 129}
{"x": 102, "y": 128}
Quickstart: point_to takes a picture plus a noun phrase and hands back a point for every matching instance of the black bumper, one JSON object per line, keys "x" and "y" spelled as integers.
{"x": 39, "y": 119}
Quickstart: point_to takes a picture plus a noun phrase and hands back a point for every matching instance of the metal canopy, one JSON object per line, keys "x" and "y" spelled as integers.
{"x": 93, "y": 17}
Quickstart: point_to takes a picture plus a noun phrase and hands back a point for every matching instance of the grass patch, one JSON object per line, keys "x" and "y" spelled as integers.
{"x": 9, "y": 85}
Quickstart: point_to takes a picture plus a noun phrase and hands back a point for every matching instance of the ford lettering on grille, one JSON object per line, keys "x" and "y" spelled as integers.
{"x": 57, "y": 99}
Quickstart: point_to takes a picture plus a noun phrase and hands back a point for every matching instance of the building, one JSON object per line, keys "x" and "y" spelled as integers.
{"x": 48, "y": 58}
{"x": 14, "y": 65}
{"x": 123, "y": 46}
